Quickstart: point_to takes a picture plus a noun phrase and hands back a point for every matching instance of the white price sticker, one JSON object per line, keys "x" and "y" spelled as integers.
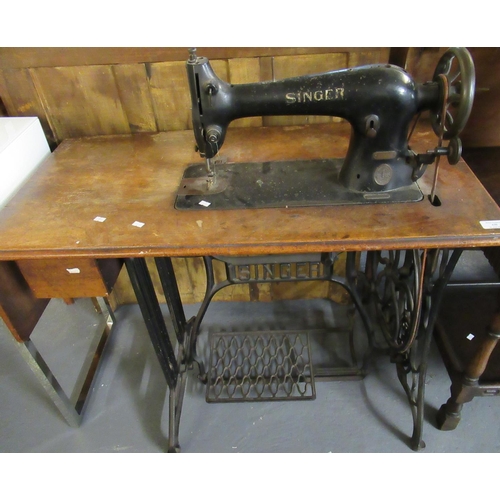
{"x": 490, "y": 224}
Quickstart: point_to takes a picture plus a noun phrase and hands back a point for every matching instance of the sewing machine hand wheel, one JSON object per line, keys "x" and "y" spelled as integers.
{"x": 456, "y": 76}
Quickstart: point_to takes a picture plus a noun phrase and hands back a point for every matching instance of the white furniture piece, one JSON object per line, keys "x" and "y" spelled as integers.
{"x": 23, "y": 147}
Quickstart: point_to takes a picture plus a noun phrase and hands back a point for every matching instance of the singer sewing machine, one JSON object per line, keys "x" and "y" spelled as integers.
{"x": 380, "y": 101}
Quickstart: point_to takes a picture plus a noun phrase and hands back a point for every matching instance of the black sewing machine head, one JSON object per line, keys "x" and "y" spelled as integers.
{"x": 380, "y": 101}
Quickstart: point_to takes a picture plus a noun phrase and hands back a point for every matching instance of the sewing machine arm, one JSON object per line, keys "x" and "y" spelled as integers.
{"x": 379, "y": 101}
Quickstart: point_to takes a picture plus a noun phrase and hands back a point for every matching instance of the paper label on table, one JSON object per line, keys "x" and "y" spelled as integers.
{"x": 73, "y": 270}
{"x": 138, "y": 224}
{"x": 204, "y": 203}
{"x": 490, "y": 224}
{"x": 99, "y": 219}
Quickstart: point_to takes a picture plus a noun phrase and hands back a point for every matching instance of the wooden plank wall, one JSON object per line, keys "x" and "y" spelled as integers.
{"x": 87, "y": 92}
{"x": 101, "y": 91}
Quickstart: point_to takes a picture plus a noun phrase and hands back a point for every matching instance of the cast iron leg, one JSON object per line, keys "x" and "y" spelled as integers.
{"x": 211, "y": 289}
{"x": 172, "y": 296}
{"x": 157, "y": 329}
{"x": 436, "y": 294}
{"x": 350, "y": 286}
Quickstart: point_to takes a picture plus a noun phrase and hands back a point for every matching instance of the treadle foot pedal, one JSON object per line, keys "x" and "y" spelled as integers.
{"x": 260, "y": 366}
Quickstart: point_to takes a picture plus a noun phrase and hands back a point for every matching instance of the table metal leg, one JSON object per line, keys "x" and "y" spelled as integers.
{"x": 350, "y": 284}
{"x": 414, "y": 362}
{"x": 153, "y": 317}
{"x": 172, "y": 296}
{"x": 172, "y": 363}
{"x": 72, "y": 407}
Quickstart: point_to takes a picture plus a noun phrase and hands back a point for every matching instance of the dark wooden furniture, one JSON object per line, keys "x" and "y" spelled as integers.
{"x": 467, "y": 334}
{"x": 129, "y": 179}
{"x": 473, "y": 363}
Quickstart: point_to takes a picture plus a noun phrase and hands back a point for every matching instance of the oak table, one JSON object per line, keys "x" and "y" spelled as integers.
{"x": 131, "y": 181}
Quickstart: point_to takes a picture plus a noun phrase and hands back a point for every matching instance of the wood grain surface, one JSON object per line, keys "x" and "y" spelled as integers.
{"x": 19, "y": 307}
{"x": 135, "y": 178}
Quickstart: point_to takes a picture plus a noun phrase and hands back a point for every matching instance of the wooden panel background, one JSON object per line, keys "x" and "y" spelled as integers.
{"x": 100, "y": 91}
{"x": 90, "y": 91}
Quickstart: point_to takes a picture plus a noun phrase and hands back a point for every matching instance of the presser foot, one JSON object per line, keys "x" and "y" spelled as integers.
{"x": 202, "y": 186}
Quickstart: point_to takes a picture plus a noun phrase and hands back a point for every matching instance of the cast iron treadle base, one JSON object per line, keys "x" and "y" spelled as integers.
{"x": 260, "y": 366}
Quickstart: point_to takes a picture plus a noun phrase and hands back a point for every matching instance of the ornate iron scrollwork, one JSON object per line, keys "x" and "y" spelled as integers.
{"x": 396, "y": 282}
{"x": 406, "y": 289}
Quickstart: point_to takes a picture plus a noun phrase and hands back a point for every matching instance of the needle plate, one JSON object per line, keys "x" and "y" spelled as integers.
{"x": 278, "y": 184}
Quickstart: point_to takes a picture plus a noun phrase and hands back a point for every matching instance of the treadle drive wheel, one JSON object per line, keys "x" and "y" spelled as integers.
{"x": 396, "y": 293}
{"x": 446, "y": 421}
{"x": 457, "y": 66}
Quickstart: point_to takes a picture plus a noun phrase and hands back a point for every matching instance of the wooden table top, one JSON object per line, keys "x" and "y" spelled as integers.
{"x": 135, "y": 178}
